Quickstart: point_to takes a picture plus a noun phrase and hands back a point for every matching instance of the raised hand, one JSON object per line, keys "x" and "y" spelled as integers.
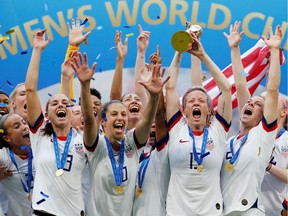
{"x": 275, "y": 39}
{"x": 76, "y": 36}
{"x": 235, "y": 37}
{"x": 66, "y": 68}
{"x": 121, "y": 49}
{"x": 82, "y": 69}
{"x": 155, "y": 57}
{"x": 143, "y": 39}
{"x": 1, "y": 41}
{"x": 3, "y": 173}
{"x": 39, "y": 40}
{"x": 196, "y": 48}
{"x": 155, "y": 84}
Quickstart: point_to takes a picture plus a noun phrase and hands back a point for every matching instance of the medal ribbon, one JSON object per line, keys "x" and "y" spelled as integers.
{"x": 142, "y": 171}
{"x": 30, "y": 174}
{"x": 203, "y": 147}
{"x": 61, "y": 164}
{"x": 280, "y": 133}
{"x": 117, "y": 171}
{"x": 235, "y": 156}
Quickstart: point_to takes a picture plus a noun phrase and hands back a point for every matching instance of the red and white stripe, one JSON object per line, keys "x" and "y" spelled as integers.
{"x": 256, "y": 64}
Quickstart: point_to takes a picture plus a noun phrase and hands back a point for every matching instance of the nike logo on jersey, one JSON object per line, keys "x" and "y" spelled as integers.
{"x": 183, "y": 141}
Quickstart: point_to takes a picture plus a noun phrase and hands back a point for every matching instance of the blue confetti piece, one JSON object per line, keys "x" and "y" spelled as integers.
{"x": 50, "y": 95}
{"x": 112, "y": 48}
{"x": 100, "y": 70}
{"x": 126, "y": 26}
{"x": 3, "y": 105}
{"x": 10, "y": 84}
{"x": 73, "y": 100}
{"x": 93, "y": 78}
{"x": 84, "y": 22}
{"x": 243, "y": 73}
{"x": 40, "y": 201}
{"x": 98, "y": 56}
{"x": 24, "y": 52}
{"x": 158, "y": 17}
{"x": 70, "y": 105}
{"x": 99, "y": 28}
{"x": 43, "y": 194}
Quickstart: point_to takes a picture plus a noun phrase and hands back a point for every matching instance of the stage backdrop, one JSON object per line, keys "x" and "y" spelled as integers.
{"x": 161, "y": 18}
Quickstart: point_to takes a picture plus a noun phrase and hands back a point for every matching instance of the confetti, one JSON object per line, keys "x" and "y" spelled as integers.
{"x": 203, "y": 78}
{"x": 73, "y": 100}
{"x": 10, "y": 31}
{"x": 46, "y": 7}
{"x": 84, "y": 22}
{"x": 10, "y": 84}
{"x": 158, "y": 17}
{"x": 99, "y": 27}
{"x": 85, "y": 42}
{"x": 24, "y": 52}
{"x": 93, "y": 78}
{"x": 98, "y": 56}
{"x": 70, "y": 105}
{"x": 43, "y": 194}
{"x": 243, "y": 73}
{"x": 126, "y": 26}
{"x": 112, "y": 48}
{"x": 129, "y": 35}
{"x": 40, "y": 201}
{"x": 5, "y": 38}
{"x": 3, "y": 105}
{"x": 100, "y": 70}
{"x": 50, "y": 95}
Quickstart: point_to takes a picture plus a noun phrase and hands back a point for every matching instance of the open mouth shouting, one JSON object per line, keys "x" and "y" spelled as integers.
{"x": 26, "y": 136}
{"x": 119, "y": 127}
{"x": 196, "y": 113}
{"x": 61, "y": 114}
{"x": 134, "y": 108}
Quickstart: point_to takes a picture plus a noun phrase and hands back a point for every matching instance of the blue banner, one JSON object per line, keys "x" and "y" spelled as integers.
{"x": 161, "y": 18}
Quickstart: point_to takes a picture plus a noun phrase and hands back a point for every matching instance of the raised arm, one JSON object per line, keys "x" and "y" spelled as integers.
{"x": 242, "y": 91}
{"x": 85, "y": 74}
{"x": 116, "y": 87}
{"x": 75, "y": 38}
{"x": 154, "y": 87}
{"x": 271, "y": 98}
{"x": 32, "y": 99}
{"x": 142, "y": 44}
{"x": 224, "y": 107}
{"x": 172, "y": 97}
{"x": 196, "y": 71}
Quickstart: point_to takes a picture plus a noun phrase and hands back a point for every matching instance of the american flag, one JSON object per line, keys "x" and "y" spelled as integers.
{"x": 256, "y": 65}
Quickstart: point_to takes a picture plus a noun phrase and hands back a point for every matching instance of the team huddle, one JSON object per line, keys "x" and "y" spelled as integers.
{"x": 147, "y": 152}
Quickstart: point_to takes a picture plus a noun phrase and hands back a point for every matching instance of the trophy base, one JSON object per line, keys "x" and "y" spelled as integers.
{"x": 181, "y": 41}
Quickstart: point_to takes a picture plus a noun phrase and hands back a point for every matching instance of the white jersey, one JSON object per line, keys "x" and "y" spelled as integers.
{"x": 102, "y": 199}
{"x": 3, "y": 200}
{"x": 152, "y": 200}
{"x": 273, "y": 190}
{"x": 17, "y": 198}
{"x": 191, "y": 192}
{"x": 59, "y": 195}
{"x": 242, "y": 186}
{"x": 1, "y": 211}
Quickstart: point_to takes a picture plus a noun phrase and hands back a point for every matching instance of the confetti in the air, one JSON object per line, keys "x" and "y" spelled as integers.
{"x": 126, "y": 26}
{"x": 112, "y": 48}
{"x": 99, "y": 27}
{"x": 40, "y": 201}
{"x": 24, "y": 52}
{"x": 98, "y": 56}
{"x": 5, "y": 38}
{"x": 129, "y": 35}
{"x": 69, "y": 105}
{"x": 10, "y": 31}
{"x": 46, "y": 7}
{"x": 243, "y": 73}
{"x": 50, "y": 95}
{"x": 73, "y": 100}
{"x": 84, "y": 22}
{"x": 10, "y": 84}
{"x": 158, "y": 17}
{"x": 43, "y": 194}
{"x": 93, "y": 78}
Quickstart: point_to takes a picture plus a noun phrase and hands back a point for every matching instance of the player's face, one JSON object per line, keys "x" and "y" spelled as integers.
{"x": 19, "y": 102}
{"x": 116, "y": 121}
{"x": 196, "y": 109}
{"x": 134, "y": 106}
{"x": 96, "y": 105}
{"x": 17, "y": 131}
{"x": 4, "y": 104}
{"x": 58, "y": 113}
{"x": 76, "y": 118}
{"x": 252, "y": 112}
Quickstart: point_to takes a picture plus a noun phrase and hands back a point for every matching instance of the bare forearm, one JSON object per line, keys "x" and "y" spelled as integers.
{"x": 279, "y": 173}
{"x": 116, "y": 88}
{"x": 196, "y": 71}
{"x": 174, "y": 71}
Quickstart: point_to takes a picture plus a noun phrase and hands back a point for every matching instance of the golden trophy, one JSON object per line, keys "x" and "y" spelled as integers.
{"x": 182, "y": 41}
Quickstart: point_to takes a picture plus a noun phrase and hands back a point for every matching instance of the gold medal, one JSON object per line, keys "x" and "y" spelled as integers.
{"x": 29, "y": 196}
{"x": 59, "y": 172}
{"x": 138, "y": 191}
{"x": 229, "y": 167}
{"x": 200, "y": 168}
{"x": 119, "y": 190}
